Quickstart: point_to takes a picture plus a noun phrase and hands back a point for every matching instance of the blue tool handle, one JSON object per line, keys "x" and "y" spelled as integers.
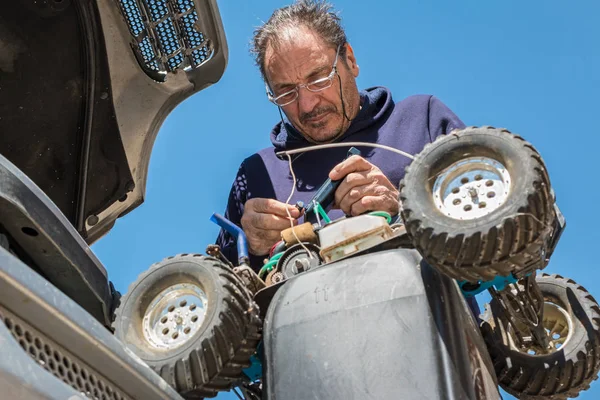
{"x": 325, "y": 194}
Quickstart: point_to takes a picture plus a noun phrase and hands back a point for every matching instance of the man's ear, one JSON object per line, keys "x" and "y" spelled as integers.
{"x": 351, "y": 60}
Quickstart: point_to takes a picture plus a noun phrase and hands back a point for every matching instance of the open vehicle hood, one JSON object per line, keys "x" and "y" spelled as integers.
{"x": 85, "y": 86}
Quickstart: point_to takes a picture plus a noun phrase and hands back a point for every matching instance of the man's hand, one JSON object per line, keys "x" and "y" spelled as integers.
{"x": 364, "y": 188}
{"x": 263, "y": 221}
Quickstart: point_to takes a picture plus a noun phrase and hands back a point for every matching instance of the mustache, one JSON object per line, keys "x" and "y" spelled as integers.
{"x": 316, "y": 113}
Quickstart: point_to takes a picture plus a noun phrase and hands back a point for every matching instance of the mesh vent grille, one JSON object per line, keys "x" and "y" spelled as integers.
{"x": 148, "y": 53}
{"x": 193, "y": 37}
{"x": 59, "y": 362}
{"x": 165, "y": 34}
{"x": 133, "y": 17}
{"x": 175, "y": 61}
{"x": 184, "y": 5}
{"x": 200, "y": 55}
{"x": 158, "y": 9}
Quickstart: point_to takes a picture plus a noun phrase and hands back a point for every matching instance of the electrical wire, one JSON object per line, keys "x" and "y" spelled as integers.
{"x": 383, "y": 214}
{"x": 342, "y": 144}
{"x": 318, "y": 219}
{"x": 288, "y": 211}
{"x": 289, "y": 153}
{"x": 268, "y": 267}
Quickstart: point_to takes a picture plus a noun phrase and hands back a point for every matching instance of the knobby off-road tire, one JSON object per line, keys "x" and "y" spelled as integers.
{"x": 500, "y": 230}
{"x": 193, "y": 322}
{"x": 563, "y": 373}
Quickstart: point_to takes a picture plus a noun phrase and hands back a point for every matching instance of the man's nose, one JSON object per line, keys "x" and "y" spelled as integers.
{"x": 307, "y": 100}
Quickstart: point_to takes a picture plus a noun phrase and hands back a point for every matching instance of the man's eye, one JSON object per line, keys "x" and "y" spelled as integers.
{"x": 320, "y": 83}
{"x": 286, "y": 96}
{"x": 283, "y": 90}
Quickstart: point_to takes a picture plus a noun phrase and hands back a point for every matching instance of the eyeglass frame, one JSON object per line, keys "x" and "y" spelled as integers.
{"x": 305, "y": 85}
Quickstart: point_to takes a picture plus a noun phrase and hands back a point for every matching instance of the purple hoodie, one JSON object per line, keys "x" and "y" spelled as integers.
{"x": 407, "y": 125}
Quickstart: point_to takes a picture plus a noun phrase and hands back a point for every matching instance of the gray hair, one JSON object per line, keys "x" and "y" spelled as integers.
{"x": 316, "y": 15}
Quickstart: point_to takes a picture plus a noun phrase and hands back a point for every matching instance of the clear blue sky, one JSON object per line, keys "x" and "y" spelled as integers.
{"x": 530, "y": 66}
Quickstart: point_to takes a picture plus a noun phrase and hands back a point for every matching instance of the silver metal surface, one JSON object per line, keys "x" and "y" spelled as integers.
{"x": 471, "y": 188}
{"x": 57, "y": 319}
{"x": 558, "y": 327}
{"x": 175, "y": 315}
{"x": 59, "y": 361}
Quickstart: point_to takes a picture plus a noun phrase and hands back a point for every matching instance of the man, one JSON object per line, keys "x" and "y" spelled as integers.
{"x": 310, "y": 73}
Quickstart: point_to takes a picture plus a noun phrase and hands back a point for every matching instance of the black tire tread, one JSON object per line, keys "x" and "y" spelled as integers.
{"x": 555, "y": 382}
{"x": 217, "y": 362}
{"x": 512, "y": 245}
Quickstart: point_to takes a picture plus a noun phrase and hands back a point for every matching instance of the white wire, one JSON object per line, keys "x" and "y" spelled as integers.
{"x": 289, "y": 153}
{"x": 317, "y": 215}
{"x": 344, "y": 144}
{"x": 288, "y": 211}
{"x": 293, "y": 186}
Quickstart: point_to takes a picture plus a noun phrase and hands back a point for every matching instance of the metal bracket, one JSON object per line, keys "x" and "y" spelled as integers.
{"x": 522, "y": 307}
{"x": 250, "y": 278}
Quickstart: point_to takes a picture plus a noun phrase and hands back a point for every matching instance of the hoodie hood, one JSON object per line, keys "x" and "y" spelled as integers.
{"x": 376, "y": 102}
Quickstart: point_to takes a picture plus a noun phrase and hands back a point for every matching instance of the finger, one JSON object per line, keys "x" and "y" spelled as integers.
{"x": 386, "y": 202}
{"x": 351, "y": 181}
{"x": 374, "y": 177}
{"x": 366, "y": 204}
{"x": 271, "y": 206}
{"x": 260, "y": 241}
{"x": 269, "y": 221}
{"x": 356, "y": 194}
{"x": 371, "y": 197}
{"x": 351, "y": 164}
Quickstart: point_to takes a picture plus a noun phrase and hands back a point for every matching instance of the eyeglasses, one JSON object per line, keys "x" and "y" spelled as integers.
{"x": 315, "y": 86}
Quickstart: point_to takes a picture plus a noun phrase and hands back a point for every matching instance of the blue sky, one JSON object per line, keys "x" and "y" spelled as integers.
{"x": 532, "y": 67}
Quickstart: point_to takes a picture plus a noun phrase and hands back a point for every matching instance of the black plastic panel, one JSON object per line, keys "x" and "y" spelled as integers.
{"x": 378, "y": 326}
{"x": 55, "y": 90}
{"x": 52, "y": 246}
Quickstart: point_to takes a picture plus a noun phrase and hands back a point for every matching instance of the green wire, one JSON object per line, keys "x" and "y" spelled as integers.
{"x": 322, "y": 213}
{"x": 382, "y": 214}
{"x": 268, "y": 267}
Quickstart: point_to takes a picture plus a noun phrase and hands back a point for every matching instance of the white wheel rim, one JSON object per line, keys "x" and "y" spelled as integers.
{"x": 174, "y": 315}
{"x": 558, "y": 326}
{"x": 471, "y": 188}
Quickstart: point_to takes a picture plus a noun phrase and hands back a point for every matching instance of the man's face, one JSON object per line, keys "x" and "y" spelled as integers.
{"x": 301, "y": 57}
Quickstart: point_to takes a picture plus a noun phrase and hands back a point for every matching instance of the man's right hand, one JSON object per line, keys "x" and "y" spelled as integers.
{"x": 263, "y": 221}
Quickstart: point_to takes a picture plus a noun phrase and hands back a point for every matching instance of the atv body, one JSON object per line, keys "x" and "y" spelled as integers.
{"x": 384, "y": 316}
{"x": 379, "y": 325}
{"x": 380, "y": 312}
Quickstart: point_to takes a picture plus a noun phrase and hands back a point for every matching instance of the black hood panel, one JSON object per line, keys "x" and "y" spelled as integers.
{"x": 57, "y": 120}
{"x": 85, "y": 87}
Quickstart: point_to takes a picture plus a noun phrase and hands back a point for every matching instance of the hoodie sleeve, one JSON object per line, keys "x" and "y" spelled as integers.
{"x": 442, "y": 120}
{"x": 238, "y": 196}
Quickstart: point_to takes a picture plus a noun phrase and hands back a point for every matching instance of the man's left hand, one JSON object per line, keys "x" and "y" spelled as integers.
{"x": 364, "y": 188}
